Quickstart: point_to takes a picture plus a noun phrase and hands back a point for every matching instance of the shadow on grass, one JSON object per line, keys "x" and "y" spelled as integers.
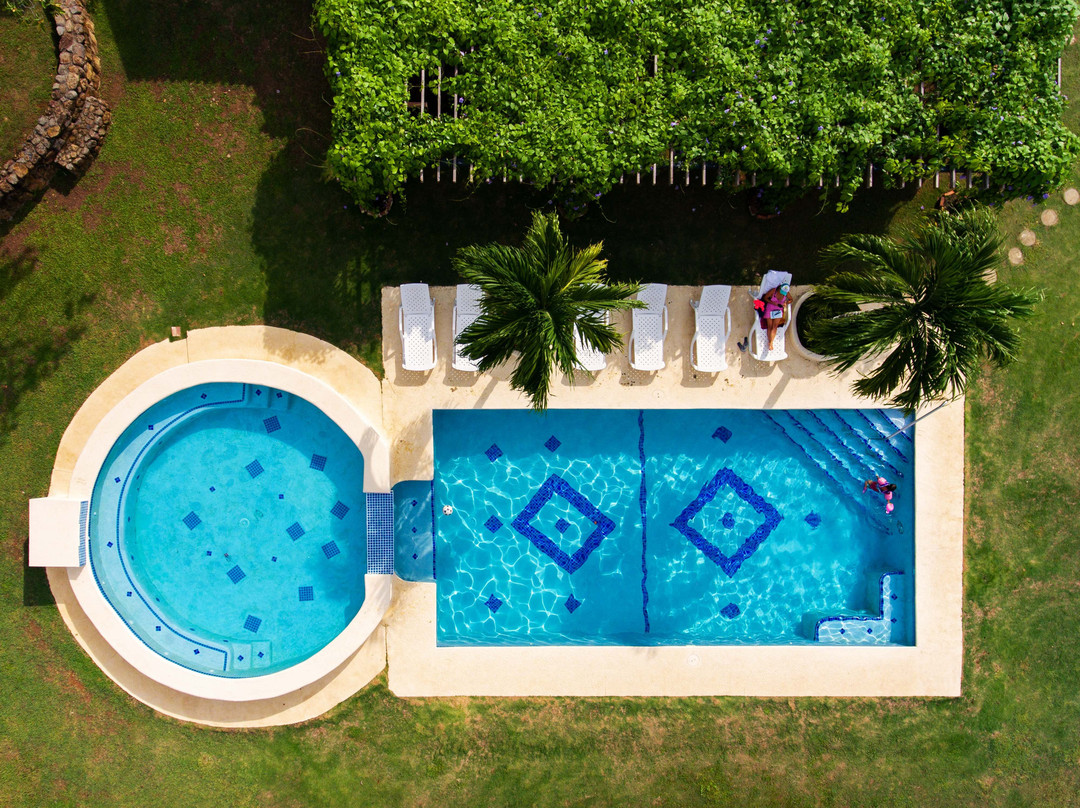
{"x": 325, "y": 262}
{"x": 36, "y": 591}
{"x": 30, "y": 351}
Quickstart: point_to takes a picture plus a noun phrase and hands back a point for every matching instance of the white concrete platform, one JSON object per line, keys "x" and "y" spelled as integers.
{"x": 932, "y": 667}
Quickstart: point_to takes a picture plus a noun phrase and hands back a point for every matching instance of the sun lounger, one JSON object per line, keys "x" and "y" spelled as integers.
{"x": 646, "y": 348}
{"x": 759, "y": 338}
{"x": 466, "y": 310}
{"x": 588, "y": 358}
{"x": 712, "y": 327}
{"x": 416, "y": 324}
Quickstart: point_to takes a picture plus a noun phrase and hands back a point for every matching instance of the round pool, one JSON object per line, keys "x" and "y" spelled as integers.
{"x": 227, "y": 529}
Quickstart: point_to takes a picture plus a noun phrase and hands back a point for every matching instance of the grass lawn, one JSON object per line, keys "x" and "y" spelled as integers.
{"x": 27, "y": 65}
{"x": 206, "y": 207}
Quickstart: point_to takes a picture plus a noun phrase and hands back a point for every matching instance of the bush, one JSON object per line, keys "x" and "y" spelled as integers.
{"x": 565, "y": 91}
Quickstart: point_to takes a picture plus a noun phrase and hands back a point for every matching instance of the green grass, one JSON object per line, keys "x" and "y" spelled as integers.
{"x": 27, "y": 65}
{"x": 206, "y": 207}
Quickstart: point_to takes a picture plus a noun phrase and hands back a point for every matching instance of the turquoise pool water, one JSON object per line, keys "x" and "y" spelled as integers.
{"x": 227, "y": 529}
{"x": 638, "y": 527}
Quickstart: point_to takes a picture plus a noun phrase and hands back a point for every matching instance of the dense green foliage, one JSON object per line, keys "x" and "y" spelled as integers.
{"x": 564, "y": 91}
{"x": 933, "y": 311}
{"x": 534, "y": 297}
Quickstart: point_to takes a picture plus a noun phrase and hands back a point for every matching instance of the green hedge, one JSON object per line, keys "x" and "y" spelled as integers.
{"x": 563, "y": 91}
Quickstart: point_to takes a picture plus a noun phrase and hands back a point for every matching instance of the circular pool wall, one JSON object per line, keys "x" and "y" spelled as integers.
{"x": 227, "y": 536}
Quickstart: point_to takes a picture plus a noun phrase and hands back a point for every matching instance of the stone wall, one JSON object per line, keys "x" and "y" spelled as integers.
{"x": 70, "y": 132}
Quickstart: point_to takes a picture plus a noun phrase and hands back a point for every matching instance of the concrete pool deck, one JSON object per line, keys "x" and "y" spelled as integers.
{"x": 932, "y": 667}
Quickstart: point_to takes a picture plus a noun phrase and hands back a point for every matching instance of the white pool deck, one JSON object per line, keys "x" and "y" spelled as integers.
{"x": 932, "y": 667}
{"x": 401, "y": 406}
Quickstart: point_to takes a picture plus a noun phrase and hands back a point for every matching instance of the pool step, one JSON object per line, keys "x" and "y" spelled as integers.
{"x": 869, "y": 442}
{"x": 884, "y": 624}
{"x": 847, "y": 483}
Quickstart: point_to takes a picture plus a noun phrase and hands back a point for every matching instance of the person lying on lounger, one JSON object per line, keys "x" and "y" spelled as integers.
{"x": 771, "y": 308}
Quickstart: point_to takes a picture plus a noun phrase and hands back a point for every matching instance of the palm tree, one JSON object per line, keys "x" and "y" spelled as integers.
{"x": 930, "y": 308}
{"x": 533, "y": 296}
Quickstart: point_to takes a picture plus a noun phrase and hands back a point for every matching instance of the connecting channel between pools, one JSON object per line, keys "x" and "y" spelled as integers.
{"x": 664, "y": 527}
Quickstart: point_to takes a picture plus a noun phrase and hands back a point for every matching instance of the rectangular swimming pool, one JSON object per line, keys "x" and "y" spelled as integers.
{"x": 672, "y": 527}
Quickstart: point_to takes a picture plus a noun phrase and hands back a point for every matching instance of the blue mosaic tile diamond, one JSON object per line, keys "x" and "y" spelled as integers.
{"x": 252, "y": 623}
{"x": 254, "y": 468}
{"x": 493, "y": 452}
{"x": 493, "y": 603}
{"x": 330, "y": 549}
{"x": 192, "y": 520}
{"x": 295, "y": 530}
{"x": 552, "y": 443}
{"x": 770, "y": 516}
{"x": 116, "y": 479}
{"x": 203, "y": 395}
{"x": 493, "y": 523}
{"x": 813, "y": 519}
{"x": 722, "y": 433}
{"x": 571, "y": 604}
{"x": 340, "y": 509}
{"x": 728, "y": 521}
{"x": 557, "y": 485}
{"x": 731, "y": 611}
{"x": 318, "y": 462}
{"x": 307, "y": 593}
{"x": 562, "y": 525}
{"x": 272, "y": 424}
{"x": 236, "y": 575}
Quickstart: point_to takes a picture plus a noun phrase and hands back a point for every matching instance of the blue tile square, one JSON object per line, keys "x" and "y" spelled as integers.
{"x": 493, "y": 523}
{"x": 116, "y": 479}
{"x": 562, "y": 525}
{"x": 203, "y": 395}
{"x": 281, "y": 496}
{"x": 552, "y": 443}
{"x": 212, "y": 489}
{"x": 108, "y": 544}
{"x": 254, "y": 468}
{"x": 728, "y": 521}
{"x": 307, "y": 593}
{"x": 192, "y": 520}
{"x": 770, "y": 519}
{"x": 493, "y": 452}
{"x": 258, "y": 392}
{"x": 272, "y": 424}
{"x": 252, "y": 623}
{"x": 157, "y": 628}
{"x": 295, "y": 531}
{"x": 150, "y": 427}
{"x": 571, "y": 604}
{"x": 209, "y": 552}
{"x": 730, "y": 611}
{"x": 813, "y": 519}
{"x": 493, "y": 603}
{"x": 236, "y": 575}
{"x": 330, "y": 549}
{"x": 557, "y": 485}
{"x": 318, "y": 462}
{"x": 722, "y": 433}
{"x": 340, "y": 509}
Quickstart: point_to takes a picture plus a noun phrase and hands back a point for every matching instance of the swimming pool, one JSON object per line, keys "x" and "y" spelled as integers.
{"x": 228, "y": 529}
{"x": 671, "y": 527}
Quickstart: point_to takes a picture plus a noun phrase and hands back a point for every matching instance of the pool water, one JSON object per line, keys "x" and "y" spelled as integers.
{"x": 639, "y": 527}
{"x": 228, "y": 529}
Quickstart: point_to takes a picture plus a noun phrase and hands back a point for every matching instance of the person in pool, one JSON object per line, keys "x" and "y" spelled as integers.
{"x": 882, "y": 486}
{"x": 772, "y": 308}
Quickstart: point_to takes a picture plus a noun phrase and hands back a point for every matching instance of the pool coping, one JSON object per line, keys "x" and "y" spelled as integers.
{"x": 932, "y": 667}
{"x": 300, "y": 364}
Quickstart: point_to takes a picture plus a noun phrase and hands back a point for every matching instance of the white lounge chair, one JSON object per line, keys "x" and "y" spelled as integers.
{"x": 712, "y": 327}
{"x": 759, "y": 338}
{"x": 466, "y": 310}
{"x": 646, "y": 348}
{"x": 416, "y": 324}
{"x": 588, "y": 358}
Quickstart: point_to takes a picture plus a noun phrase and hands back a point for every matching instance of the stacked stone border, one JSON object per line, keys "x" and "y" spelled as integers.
{"x": 70, "y": 132}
